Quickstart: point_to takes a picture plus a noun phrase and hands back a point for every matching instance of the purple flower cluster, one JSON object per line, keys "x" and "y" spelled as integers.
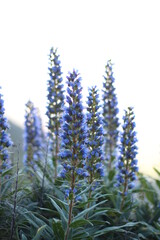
{"x": 110, "y": 112}
{"x": 94, "y": 138}
{"x": 33, "y": 138}
{"x": 5, "y": 141}
{"x": 127, "y": 163}
{"x": 55, "y": 93}
{"x": 73, "y": 150}
{"x": 55, "y": 105}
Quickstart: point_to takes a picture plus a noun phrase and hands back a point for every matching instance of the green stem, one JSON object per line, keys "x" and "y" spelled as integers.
{"x": 110, "y": 140}
{"x": 44, "y": 173}
{"x": 70, "y": 206}
{"x": 110, "y": 155}
{"x": 56, "y": 156}
{"x": 123, "y": 194}
{"x": 0, "y": 178}
{"x": 56, "y": 128}
{"x": 73, "y": 181}
{"x": 69, "y": 219}
{"x": 125, "y": 187}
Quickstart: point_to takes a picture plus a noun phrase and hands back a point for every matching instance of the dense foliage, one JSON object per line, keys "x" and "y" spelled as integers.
{"x": 79, "y": 179}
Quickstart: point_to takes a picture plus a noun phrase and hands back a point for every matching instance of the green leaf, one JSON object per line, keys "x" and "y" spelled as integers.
{"x": 60, "y": 202}
{"x": 84, "y": 212}
{"x": 36, "y": 222}
{"x": 79, "y": 235}
{"x": 61, "y": 213}
{"x": 121, "y": 228}
{"x": 82, "y": 237}
{"x": 97, "y": 222}
{"x": 109, "y": 229}
{"x": 157, "y": 226}
{"x": 40, "y": 232}
{"x": 111, "y": 174}
{"x": 47, "y": 210}
{"x": 80, "y": 222}
{"x": 148, "y": 189}
{"x": 140, "y": 235}
{"x": 158, "y": 183}
{"x": 158, "y": 172}
{"x": 100, "y": 212}
{"x": 11, "y": 179}
{"x": 23, "y": 237}
{"x": 58, "y": 230}
{"x": 8, "y": 171}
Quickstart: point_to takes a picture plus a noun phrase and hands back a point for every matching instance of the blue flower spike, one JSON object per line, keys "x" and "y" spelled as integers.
{"x": 33, "y": 137}
{"x": 73, "y": 137}
{"x": 94, "y": 162}
{"x": 5, "y": 140}
{"x": 55, "y": 104}
{"x": 127, "y": 163}
{"x": 73, "y": 143}
{"x": 110, "y": 115}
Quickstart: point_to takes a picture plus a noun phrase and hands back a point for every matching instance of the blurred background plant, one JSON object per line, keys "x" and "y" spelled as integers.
{"x": 55, "y": 106}
{"x": 110, "y": 118}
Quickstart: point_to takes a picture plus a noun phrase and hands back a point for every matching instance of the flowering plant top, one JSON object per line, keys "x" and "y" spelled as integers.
{"x": 5, "y": 141}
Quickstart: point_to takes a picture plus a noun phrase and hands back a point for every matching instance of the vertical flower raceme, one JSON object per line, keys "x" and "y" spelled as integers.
{"x": 33, "y": 145}
{"x": 73, "y": 150}
{"x": 95, "y": 139}
{"x": 110, "y": 111}
{"x": 55, "y": 102}
{"x": 127, "y": 163}
{"x": 5, "y": 141}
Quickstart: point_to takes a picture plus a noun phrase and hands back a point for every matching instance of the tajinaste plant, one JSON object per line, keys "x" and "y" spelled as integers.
{"x": 127, "y": 163}
{"x": 5, "y": 141}
{"x": 73, "y": 152}
{"x": 94, "y": 162}
{"x": 110, "y": 111}
{"x": 33, "y": 137}
{"x": 55, "y": 103}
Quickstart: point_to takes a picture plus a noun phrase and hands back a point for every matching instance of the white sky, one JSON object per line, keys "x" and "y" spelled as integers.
{"x": 87, "y": 34}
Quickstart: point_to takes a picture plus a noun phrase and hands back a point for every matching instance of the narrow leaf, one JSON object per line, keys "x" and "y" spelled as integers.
{"x": 79, "y": 223}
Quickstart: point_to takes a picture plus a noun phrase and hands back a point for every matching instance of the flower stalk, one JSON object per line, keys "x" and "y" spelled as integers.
{"x": 94, "y": 162}
{"x": 55, "y": 105}
{"x": 127, "y": 163}
{"x": 110, "y": 112}
{"x": 73, "y": 138}
{"x": 5, "y": 142}
{"x": 33, "y": 138}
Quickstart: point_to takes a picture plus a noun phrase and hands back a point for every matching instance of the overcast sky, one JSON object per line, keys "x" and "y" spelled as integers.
{"x": 87, "y": 33}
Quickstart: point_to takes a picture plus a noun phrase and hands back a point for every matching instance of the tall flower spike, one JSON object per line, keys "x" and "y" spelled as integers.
{"x": 5, "y": 141}
{"x": 95, "y": 139}
{"x": 55, "y": 102}
{"x": 110, "y": 111}
{"x": 127, "y": 163}
{"x": 33, "y": 138}
{"x": 73, "y": 150}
